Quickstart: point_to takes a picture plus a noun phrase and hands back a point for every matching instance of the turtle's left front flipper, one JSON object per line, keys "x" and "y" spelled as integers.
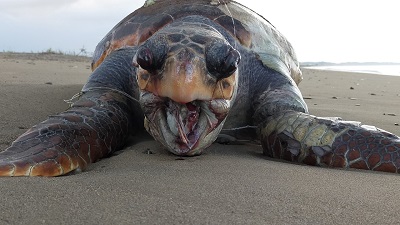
{"x": 93, "y": 127}
{"x": 331, "y": 142}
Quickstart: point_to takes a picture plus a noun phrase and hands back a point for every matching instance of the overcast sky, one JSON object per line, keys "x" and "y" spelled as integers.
{"x": 338, "y": 31}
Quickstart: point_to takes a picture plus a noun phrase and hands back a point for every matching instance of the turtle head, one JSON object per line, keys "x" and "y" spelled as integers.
{"x": 187, "y": 76}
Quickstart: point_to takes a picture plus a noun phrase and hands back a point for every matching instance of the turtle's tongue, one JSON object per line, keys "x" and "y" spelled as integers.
{"x": 182, "y": 120}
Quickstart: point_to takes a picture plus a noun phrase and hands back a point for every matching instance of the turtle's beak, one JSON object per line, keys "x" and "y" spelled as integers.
{"x": 185, "y": 129}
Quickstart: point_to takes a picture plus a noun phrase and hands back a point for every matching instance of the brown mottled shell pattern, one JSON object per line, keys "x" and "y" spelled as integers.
{"x": 250, "y": 29}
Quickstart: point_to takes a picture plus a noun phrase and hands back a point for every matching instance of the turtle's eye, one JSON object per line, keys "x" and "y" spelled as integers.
{"x": 151, "y": 56}
{"x": 222, "y": 60}
{"x": 145, "y": 59}
{"x": 231, "y": 62}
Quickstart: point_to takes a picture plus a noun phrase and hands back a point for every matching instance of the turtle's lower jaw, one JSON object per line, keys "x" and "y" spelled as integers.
{"x": 185, "y": 129}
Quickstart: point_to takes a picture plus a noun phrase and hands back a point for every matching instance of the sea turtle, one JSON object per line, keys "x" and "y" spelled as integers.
{"x": 191, "y": 70}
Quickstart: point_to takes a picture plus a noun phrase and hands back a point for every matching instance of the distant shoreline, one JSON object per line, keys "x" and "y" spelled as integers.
{"x": 378, "y": 69}
{"x": 52, "y": 56}
{"x": 317, "y": 64}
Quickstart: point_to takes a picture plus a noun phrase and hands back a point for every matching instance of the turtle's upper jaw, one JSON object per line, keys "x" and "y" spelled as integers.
{"x": 185, "y": 129}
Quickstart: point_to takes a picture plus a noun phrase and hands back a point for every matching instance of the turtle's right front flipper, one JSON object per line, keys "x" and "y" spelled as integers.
{"x": 95, "y": 125}
{"x": 331, "y": 142}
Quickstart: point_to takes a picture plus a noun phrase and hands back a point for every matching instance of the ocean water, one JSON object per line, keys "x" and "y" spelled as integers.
{"x": 392, "y": 70}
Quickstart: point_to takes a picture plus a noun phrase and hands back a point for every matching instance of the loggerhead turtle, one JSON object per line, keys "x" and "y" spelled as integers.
{"x": 190, "y": 70}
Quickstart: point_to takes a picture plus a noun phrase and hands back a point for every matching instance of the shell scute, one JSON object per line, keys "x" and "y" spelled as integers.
{"x": 249, "y": 28}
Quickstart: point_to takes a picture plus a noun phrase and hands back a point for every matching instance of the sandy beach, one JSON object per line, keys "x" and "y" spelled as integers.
{"x": 229, "y": 184}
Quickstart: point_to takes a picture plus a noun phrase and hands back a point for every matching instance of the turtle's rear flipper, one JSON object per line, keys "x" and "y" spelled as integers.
{"x": 300, "y": 137}
{"x": 94, "y": 126}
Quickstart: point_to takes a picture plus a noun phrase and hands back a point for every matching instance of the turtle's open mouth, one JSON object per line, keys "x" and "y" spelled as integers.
{"x": 182, "y": 120}
{"x": 185, "y": 129}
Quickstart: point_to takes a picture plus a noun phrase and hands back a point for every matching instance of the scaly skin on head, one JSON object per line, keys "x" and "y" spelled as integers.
{"x": 187, "y": 75}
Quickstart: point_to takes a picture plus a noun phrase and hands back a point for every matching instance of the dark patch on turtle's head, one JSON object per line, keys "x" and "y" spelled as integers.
{"x": 187, "y": 75}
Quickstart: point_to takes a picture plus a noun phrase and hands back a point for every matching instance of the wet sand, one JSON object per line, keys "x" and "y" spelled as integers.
{"x": 229, "y": 184}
